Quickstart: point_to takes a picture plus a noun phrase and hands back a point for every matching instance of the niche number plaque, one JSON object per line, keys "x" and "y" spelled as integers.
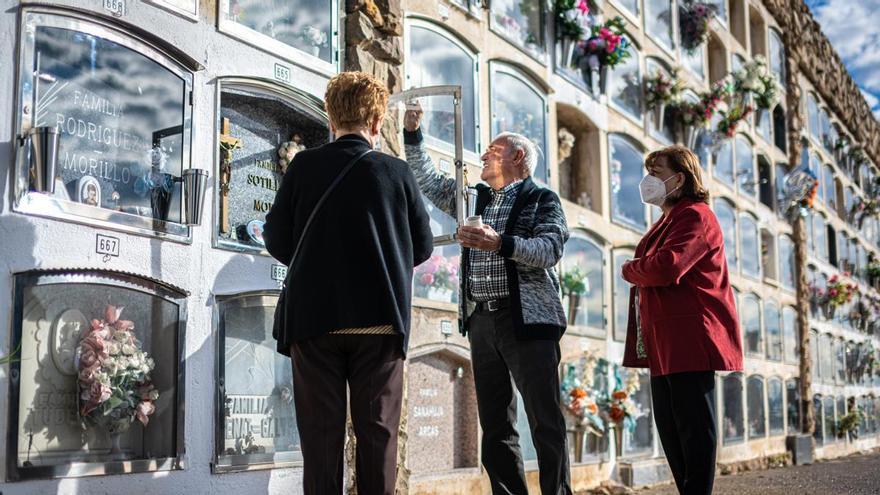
{"x": 279, "y": 272}
{"x": 107, "y": 245}
{"x": 282, "y": 73}
{"x": 115, "y": 7}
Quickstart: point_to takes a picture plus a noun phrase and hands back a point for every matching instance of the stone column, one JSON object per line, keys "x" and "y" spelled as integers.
{"x": 373, "y": 44}
{"x": 795, "y": 126}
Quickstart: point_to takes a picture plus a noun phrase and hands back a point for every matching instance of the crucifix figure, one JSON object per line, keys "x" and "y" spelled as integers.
{"x": 227, "y": 145}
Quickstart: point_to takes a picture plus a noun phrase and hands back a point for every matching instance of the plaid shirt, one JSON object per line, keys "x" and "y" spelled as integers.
{"x": 487, "y": 277}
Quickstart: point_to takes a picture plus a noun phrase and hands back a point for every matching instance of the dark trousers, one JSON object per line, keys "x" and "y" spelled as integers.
{"x": 372, "y": 366}
{"x": 534, "y": 366}
{"x": 684, "y": 410}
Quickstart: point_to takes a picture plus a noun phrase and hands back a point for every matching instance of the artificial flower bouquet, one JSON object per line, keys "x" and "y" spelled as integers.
{"x": 578, "y": 401}
{"x": 572, "y": 19}
{"x": 114, "y": 374}
{"x": 693, "y": 20}
{"x": 607, "y": 45}
{"x": 661, "y": 90}
{"x": 839, "y": 292}
{"x": 437, "y": 274}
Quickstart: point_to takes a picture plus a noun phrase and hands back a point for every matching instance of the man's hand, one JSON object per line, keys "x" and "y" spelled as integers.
{"x": 412, "y": 119}
{"x": 483, "y": 238}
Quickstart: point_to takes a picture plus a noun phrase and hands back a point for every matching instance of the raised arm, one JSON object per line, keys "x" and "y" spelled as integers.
{"x": 439, "y": 188}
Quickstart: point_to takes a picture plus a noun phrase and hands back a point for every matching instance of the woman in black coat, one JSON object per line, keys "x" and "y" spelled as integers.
{"x": 350, "y": 289}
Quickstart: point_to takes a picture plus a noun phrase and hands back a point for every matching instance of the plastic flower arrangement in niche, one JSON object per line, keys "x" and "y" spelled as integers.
{"x": 579, "y": 401}
{"x": 437, "y": 278}
{"x": 755, "y": 78}
{"x": 114, "y": 375}
{"x": 661, "y": 89}
{"x": 314, "y": 36}
{"x": 839, "y": 292}
{"x": 619, "y": 408}
{"x": 699, "y": 113}
{"x": 607, "y": 45}
{"x": 693, "y": 21}
{"x": 575, "y": 285}
{"x": 572, "y": 19}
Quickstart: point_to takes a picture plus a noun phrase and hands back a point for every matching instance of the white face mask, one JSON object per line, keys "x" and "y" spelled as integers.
{"x": 653, "y": 190}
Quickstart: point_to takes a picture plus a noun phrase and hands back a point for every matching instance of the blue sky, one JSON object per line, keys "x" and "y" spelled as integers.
{"x": 853, "y": 26}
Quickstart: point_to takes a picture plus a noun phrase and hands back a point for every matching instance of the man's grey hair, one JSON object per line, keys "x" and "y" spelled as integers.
{"x": 518, "y": 142}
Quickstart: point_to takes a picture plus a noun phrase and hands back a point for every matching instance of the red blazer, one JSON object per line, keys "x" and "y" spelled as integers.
{"x": 686, "y": 306}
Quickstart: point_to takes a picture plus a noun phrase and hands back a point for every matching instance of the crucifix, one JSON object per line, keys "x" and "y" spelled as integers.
{"x": 227, "y": 145}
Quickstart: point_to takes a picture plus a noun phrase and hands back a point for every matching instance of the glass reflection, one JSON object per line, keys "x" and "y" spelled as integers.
{"x": 749, "y": 246}
{"x": 121, "y": 122}
{"x": 732, "y": 428}
{"x": 621, "y": 296}
{"x": 303, "y": 24}
{"x": 626, "y": 173}
{"x": 521, "y": 21}
{"x": 435, "y": 60}
{"x": 259, "y": 417}
{"x": 658, "y": 20}
{"x": 517, "y": 107}
{"x": 727, "y": 221}
{"x": 625, "y": 86}
{"x": 582, "y": 281}
{"x": 755, "y": 407}
{"x": 750, "y": 320}
{"x": 774, "y": 332}
{"x": 775, "y": 407}
{"x": 437, "y": 279}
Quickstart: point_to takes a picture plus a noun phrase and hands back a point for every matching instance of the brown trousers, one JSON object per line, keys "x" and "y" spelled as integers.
{"x": 372, "y": 366}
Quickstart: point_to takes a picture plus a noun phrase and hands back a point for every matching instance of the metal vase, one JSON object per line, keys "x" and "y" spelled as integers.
{"x": 691, "y": 133}
{"x": 657, "y": 114}
{"x": 44, "y": 158}
{"x": 194, "y": 182}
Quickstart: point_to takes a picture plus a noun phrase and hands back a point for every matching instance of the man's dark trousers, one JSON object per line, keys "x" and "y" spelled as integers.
{"x": 684, "y": 410}
{"x": 534, "y": 366}
{"x": 372, "y": 366}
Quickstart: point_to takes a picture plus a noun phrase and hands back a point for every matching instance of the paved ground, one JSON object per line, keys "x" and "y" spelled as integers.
{"x": 851, "y": 475}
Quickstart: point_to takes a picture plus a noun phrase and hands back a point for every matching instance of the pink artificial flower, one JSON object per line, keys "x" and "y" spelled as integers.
{"x": 97, "y": 325}
{"x": 89, "y": 359}
{"x": 144, "y": 410}
{"x": 604, "y": 33}
{"x": 111, "y": 314}
{"x": 430, "y": 267}
{"x": 98, "y": 393}
{"x": 583, "y": 7}
{"x": 88, "y": 373}
{"x": 427, "y": 279}
{"x": 93, "y": 350}
{"x": 124, "y": 325}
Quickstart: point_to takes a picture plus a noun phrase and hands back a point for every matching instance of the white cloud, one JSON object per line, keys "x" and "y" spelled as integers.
{"x": 852, "y": 28}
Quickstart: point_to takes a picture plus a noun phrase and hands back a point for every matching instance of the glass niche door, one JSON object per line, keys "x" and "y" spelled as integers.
{"x": 444, "y": 184}
{"x": 122, "y": 113}
{"x": 256, "y": 418}
{"x": 261, "y": 126}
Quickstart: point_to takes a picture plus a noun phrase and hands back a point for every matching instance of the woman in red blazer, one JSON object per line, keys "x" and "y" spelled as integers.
{"x": 682, "y": 318}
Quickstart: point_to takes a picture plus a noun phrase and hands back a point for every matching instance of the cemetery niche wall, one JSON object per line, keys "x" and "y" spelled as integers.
{"x": 442, "y": 431}
{"x": 99, "y": 387}
{"x": 122, "y": 110}
{"x": 256, "y": 418}
{"x": 262, "y": 127}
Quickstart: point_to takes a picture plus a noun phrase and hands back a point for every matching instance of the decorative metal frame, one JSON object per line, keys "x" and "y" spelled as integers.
{"x": 225, "y": 463}
{"x": 126, "y": 280}
{"x": 138, "y": 41}
{"x": 461, "y": 192}
{"x": 301, "y": 100}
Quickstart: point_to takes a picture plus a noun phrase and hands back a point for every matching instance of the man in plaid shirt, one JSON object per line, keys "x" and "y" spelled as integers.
{"x": 513, "y": 314}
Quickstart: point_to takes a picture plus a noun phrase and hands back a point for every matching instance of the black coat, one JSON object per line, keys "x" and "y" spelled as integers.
{"x": 356, "y": 263}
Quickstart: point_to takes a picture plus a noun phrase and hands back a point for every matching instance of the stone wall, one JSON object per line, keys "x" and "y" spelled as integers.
{"x": 821, "y": 65}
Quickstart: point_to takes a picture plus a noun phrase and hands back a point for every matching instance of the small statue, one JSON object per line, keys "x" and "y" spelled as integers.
{"x": 566, "y": 143}
{"x": 287, "y": 151}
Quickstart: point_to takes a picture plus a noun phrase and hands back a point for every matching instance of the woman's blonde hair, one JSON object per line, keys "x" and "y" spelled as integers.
{"x": 683, "y": 160}
{"x": 355, "y": 99}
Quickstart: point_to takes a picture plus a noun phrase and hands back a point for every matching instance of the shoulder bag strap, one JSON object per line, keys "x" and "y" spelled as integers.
{"x": 317, "y": 207}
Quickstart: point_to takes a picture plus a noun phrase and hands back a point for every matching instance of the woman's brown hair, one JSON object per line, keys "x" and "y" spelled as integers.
{"x": 682, "y": 160}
